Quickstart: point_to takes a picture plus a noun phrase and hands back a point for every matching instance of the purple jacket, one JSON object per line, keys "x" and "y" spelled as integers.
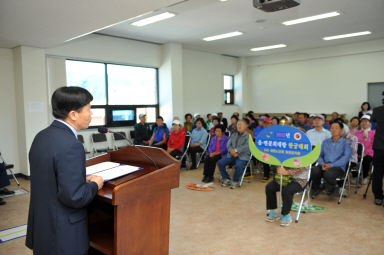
{"x": 222, "y": 145}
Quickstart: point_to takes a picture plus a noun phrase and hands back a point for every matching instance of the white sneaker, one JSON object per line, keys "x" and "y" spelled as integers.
{"x": 365, "y": 181}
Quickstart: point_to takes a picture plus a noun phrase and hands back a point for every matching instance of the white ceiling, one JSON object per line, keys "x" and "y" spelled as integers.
{"x": 197, "y": 19}
{"x": 49, "y": 23}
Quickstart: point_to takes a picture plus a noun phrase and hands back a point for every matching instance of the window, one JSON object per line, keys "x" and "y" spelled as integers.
{"x": 120, "y": 92}
{"x": 228, "y": 89}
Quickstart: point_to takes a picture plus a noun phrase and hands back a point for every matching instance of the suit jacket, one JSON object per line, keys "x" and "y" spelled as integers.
{"x": 57, "y": 220}
{"x": 378, "y": 117}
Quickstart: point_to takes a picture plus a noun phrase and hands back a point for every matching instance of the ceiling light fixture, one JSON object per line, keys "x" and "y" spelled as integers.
{"x": 153, "y": 19}
{"x": 346, "y": 35}
{"x": 222, "y": 36}
{"x": 269, "y": 47}
{"x": 311, "y": 18}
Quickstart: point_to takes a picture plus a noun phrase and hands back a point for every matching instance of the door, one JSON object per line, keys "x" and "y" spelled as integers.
{"x": 376, "y": 94}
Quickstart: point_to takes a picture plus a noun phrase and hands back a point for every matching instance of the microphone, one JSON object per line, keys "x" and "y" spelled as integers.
{"x": 104, "y": 130}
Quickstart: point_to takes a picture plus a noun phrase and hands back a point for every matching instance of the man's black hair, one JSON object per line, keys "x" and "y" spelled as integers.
{"x": 66, "y": 99}
{"x": 338, "y": 123}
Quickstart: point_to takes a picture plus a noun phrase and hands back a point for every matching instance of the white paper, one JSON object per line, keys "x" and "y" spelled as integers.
{"x": 101, "y": 167}
{"x": 117, "y": 172}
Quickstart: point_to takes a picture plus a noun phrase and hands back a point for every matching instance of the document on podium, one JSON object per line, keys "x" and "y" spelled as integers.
{"x": 111, "y": 170}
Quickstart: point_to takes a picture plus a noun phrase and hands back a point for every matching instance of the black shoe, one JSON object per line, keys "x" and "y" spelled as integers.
{"x": 2, "y": 202}
{"x": 205, "y": 179}
{"x": 5, "y": 191}
{"x": 315, "y": 193}
{"x": 334, "y": 192}
{"x": 210, "y": 179}
{"x": 193, "y": 167}
{"x": 378, "y": 201}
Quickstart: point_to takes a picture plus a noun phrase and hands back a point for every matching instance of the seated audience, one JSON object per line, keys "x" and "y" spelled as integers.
{"x": 217, "y": 149}
{"x": 294, "y": 180}
{"x": 260, "y": 125}
{"x": 199, "y": 137}
{"x": 354, "y": 125}
{"x": 142, "y": 131}
{"x": 188, "y": 124}
{"x": 286, "y": 120}
{"x": 332, "y": 162}
{"x": 353, "y": 141}
{"x": 176, "y": 139}
{"x": 233, "y": 127}
{"x": 215, "y": 122}
{"x": 252, "y": 121}
{"x": 236, "y": 114}
{"x": 295, "y": 118}
{"x": 365, "y": 136}
{"x": 275, "y": 121}
{"x": 223, "y": 121}
{"x": 208, "y": 123}
{"x": 326, "y": 123}
{"x": 334, "y": 116}
{"x": 160, "y": 134}
{"x": 302, "y": 122}
{"x": 239, "y": 154}
{"x": 365, "y": 109}
{"x": 319, "y": 133}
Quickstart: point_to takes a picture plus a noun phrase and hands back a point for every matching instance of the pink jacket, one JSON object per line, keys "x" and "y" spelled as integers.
{"x": 367, "y": 143}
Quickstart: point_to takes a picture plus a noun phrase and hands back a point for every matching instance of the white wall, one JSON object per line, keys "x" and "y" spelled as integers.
{"x": 315, "y": 81}
{"x": 8, "y": 131}
{"x": 203, "y": 82}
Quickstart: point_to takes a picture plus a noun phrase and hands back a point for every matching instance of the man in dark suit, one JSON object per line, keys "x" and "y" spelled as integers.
{"x": 60, "y": 190}
{"x": 378, "y": 156}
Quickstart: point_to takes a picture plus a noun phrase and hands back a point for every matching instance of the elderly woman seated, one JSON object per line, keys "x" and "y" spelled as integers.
{"x": 365, "y": 136}
{"x": 294, "y": 180}
{"x": 215, "y": 122}
{"x": 199, "y": 141}
{"x": 216, "y": 150}
{"x": 176, "y": 139}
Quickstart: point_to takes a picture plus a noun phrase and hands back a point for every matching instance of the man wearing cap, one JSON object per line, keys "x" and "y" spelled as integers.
{"x": 319, "y": 133}
{"x": 378, "y": 156}
{"x": 142, "y": 131}
{"x": 176, "y": 139}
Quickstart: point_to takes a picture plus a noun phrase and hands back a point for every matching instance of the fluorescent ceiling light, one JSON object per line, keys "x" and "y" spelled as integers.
{"x": 222, "y": 36}
{"x": 269, "y": 47}
{"x": 153, "y": 19}
{"x": 347, "y": 35}
{"x": 311, "y": 18}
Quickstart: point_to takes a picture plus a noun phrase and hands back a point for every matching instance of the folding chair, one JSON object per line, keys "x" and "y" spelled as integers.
{"x": 99, "y": 143}
{"x": 360, "y": 158}
{"x": 81, "y": 139}
{"x": 204, "y": 151}
{"x": 307, "y": 190}
{"x": 119, "y": 141}
{"x": 10, "y": 168}
{"x": 347, "y": 178}
{"x": 245, "y": 170}
{"x": 180, "y": 158}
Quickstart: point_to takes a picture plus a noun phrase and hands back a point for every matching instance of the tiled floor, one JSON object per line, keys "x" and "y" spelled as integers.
{"x": 227, "y": 221}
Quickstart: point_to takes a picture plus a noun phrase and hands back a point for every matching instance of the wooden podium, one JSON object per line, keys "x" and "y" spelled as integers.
{"x": 131, "y": 214}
